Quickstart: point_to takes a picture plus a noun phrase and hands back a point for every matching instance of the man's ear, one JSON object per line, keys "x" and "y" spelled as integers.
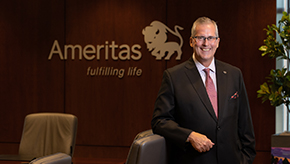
{"x": 218, "y": 44}
{"x": 191, "y": 42}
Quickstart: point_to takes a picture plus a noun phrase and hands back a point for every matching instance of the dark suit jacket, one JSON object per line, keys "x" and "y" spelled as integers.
{"x": 182, "y": 106}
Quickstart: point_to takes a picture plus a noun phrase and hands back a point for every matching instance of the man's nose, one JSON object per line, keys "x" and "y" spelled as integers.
{"x": 205, "y": 41}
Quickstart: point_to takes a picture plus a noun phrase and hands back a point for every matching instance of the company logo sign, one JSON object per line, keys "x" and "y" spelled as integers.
{"x": 155, "y": 37}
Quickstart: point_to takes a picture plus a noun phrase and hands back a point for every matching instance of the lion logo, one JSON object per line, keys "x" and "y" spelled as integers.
{"x": 155, "y": 37}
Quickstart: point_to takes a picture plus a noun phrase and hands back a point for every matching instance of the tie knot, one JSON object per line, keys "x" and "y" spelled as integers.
{"x": 206, "y": 70}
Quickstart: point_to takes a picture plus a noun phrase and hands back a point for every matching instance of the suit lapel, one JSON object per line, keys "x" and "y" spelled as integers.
{"x": 221, "y": 75}
{"x": 195, "y": 79}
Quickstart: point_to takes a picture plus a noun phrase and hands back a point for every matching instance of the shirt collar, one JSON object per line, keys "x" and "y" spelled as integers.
{"x": 200, "y": 67}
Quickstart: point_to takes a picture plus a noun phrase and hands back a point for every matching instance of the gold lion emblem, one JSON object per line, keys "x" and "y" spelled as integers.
{"x": 155, "y": 37}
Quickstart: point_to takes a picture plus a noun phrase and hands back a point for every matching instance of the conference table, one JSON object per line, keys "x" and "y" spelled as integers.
{"x": 79, "y": 161}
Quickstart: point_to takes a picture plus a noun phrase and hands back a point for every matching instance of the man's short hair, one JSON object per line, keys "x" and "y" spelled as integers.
{"x": 203, "y": 20}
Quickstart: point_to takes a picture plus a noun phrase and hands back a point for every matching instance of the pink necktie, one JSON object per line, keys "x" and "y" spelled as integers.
{"x": 210, "y": 88}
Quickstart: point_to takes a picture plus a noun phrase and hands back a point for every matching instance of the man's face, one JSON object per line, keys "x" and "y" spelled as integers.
{"x": 204, "y": 49}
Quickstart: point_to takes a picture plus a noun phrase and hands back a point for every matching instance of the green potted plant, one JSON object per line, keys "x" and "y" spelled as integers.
{"x": 277, "y": 87}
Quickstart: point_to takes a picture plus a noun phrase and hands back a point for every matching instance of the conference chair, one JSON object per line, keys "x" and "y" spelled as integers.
{"x": 147, "y": 148}
{"x": 57, "y": 158}
{"x": 44, "y": 134}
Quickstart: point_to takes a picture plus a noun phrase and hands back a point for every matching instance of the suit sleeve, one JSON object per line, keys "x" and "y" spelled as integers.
{"x": 163, "y": 121}
{"x": 246, "y": 131}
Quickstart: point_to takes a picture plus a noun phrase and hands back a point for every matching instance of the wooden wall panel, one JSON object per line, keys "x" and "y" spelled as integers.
{"x": 29, "y": 82}
{"x": 112, "y": 110}
{"x": 99, "y": 151}
{"x": 9, "y": 148}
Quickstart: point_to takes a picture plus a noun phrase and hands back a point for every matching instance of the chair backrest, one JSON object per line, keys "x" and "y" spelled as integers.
{"x": 147, "y": 148}
{"x": 143, "y": 134}
{"x": 57, "y": 158}
{"x": 48, "y": 133}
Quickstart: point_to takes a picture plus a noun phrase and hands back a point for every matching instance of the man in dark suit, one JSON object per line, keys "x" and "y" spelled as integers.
{"x": 198, "y": 129}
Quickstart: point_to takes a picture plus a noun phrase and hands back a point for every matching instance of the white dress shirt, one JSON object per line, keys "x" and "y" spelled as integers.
{"x": 212, "y": 68}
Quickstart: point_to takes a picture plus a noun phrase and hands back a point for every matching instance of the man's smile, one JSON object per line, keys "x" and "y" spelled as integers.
{"x": 205, "y": 49}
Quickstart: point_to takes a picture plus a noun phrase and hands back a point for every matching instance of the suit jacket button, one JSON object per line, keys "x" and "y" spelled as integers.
{"x": 218, "y": 128}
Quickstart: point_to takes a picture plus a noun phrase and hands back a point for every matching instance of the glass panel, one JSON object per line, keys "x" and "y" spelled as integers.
{"x": 282, "y": 116}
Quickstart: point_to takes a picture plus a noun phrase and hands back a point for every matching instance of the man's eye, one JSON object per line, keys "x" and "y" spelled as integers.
{"x": 210, "y": 38}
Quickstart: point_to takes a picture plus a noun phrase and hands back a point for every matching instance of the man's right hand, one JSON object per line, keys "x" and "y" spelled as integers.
{"x": 200, "y": 142}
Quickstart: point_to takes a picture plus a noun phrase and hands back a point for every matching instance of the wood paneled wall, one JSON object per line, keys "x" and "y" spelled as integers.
{"x": 112, "y": 110}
